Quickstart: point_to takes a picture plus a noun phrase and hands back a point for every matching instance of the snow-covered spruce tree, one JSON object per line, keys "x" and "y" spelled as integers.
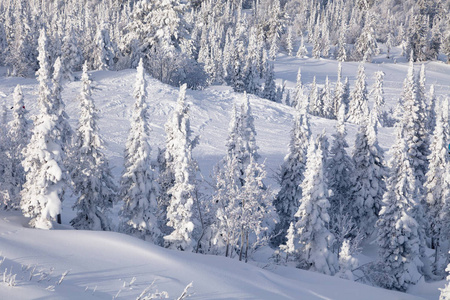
{"x": 315, "y": 100}
{"x": 289, "y": 46}
{"x": 358, "y": 108}
{"x": 298, "y": 92}
{"x": 231, "y": 177}
{"x": 338, "y": 96}
{"x": 71, "y": 55}
{"x": 289, "y": 247}
{"x": 92, "y": 178}
{"x": 400, "y": 235}
{"x": 315, "y": 240}
{"x": 437, "y": 186}
{"x": 103, "y": 56}
{"x": 254, "y": 207}
{"x": 445, "y": 292}
{"x": 183, "y": 205}
{"x": 19, "y": 137}
{"x": 138, "y": 187}
{"x": 43, "y": 163}
{"x": 339, "y": 176}
{"x": 302, "y": 52}
{"x": 378, "y": 98}
{"x": 270, "y": 89}
{"x": 369, "y": 173}
{"x": 347, "y": 263}
{"x": 431, "y": 112}
{"x": 366, "y": 44}
{"x": 414, "y": 131}
{"x": 327, "y": 96}
{"x": 59, "y": 108}
{"x": 286, "y": 202}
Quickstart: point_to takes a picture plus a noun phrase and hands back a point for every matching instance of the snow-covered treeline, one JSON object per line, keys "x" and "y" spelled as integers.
{"x": 205, "y": 42}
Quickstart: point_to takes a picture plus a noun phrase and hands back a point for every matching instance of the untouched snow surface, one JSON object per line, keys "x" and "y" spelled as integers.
{"x": 103, "y": 263}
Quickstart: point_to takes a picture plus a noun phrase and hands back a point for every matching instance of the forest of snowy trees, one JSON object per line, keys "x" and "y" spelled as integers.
{"x": 330, "y": 199}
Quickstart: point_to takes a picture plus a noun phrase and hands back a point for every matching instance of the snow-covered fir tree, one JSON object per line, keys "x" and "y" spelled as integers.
{"x": 445, "y": 292}
{"x": 437, "y": 186}
{"x": 400, "y": 234}
{"x": 45, "y": 175}
{"x": 19, "y": 136}
{"x": 315, "y": 240}
{"x": 358, "y": 107}
{"x": 414, "y": 131}
{"x": 289, "y": 247}
{"x": 347, "y": 262}
{"x": 181, "y": 211}
{"x": 139, "y": 188}
{"x": 378, "y": 98}
{"x": 327, "y": 96}
{"x": 369, "y": 172}
{"x": 292, "y": 171}
{"x": 302, "y": 52}
{"x": 270, "y": 89}
{"x": 339, "y": 174}
{"x": 91, "y": 176}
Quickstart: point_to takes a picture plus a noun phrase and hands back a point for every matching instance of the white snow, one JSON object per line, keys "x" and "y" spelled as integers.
{"x": 103, "y": 263}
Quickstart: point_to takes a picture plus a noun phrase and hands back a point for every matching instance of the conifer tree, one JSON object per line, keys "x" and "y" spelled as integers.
{"x": 270, "y": 88}
{"x": 437, "y": 185}
{"x": 138, "y": 185}
{"x": 400, "y": 235}
{"x": 315, "y": 100}
{"x": 19, "y": 137}
{"x": 369, "y": 186}
{"x": 314, "y": 238}
{"x": 289, "y": 46}
{"x": 340, "y": 170}
{"x": 181, "y": 214}
{"x": 298, "y": 92}
{"x": 328, "y": 111}
{"x": 413, "y": 124}
{"x": 338, "y": 97}
{"x": 445, "y": 292}
{"x": 358, "y": 99}
{"x": 45, "y": 175}
{"x": 92, "y": 178}
{"x": 292, "y": 174}
{"x": 378, "y": 97}
{"x": 302, "y": 52}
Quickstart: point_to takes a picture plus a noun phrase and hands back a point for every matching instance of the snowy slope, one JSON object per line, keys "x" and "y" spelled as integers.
{"x": 103, "y": 263}
{"x": 106, "y": 260}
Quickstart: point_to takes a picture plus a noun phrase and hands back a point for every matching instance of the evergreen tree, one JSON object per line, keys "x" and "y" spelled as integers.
{"x": 181, "y": 210}
{"x": 378, "y": 97}
{"x": 314, "y": 238}
{"x": 445, "y": 292}
{"x": 437, "y": 186}
{"x": 399, "y": 232}
{"x": 431, "y": 113}
{"x": 298, "y": 92}
{"x": 291, "y": 174}
{"x": 413, "y": 124}
{"x": 302, "y": 52}
{"x": 338, "y": 98}
{"x": 369, "y": 186}
{"x": 71, "y": 55}
{"x": 138, "y": 185}
{"x": 45, "y": 175}
{"x": 92, "y": 178}
{"x": 270, "y": 88}
{"x": 315, "y": 100}
{"x": 328, "y": 111}
{"x": 358, "y": 99}
{"x": 366, "y": 45}
{"x": 340, "y": 170}
{"x": 19, "y": 137}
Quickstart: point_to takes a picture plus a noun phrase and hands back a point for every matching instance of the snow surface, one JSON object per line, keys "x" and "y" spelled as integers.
{"x": 106, "y": 261}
